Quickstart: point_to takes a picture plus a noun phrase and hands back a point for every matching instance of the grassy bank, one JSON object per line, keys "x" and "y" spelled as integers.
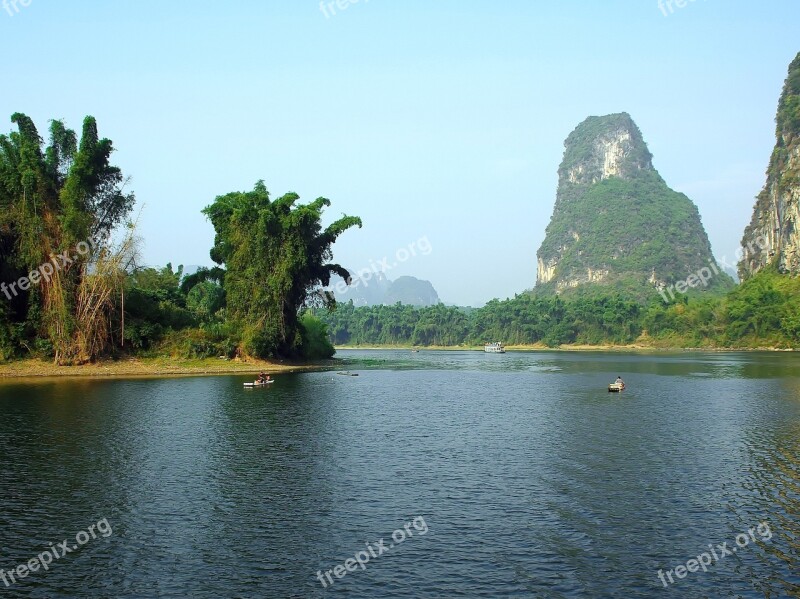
{"x": 135, "y": 367}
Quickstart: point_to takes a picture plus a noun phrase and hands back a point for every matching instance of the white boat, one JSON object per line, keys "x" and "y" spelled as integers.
{"x": 264, "y": 384}
{"x": 494, "y": 348}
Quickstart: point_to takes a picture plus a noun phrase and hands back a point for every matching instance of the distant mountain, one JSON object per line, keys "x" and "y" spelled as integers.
{"x": 773, "y": 235}
{"x": 411, "y": 291}
{"x": 617, "y": 223}
{"x": 362, "y": 292}
{"x": 379, "y": 290}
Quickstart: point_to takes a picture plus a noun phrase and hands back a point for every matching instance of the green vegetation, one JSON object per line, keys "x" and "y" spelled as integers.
{"x": 58, "y": 204}
{"x": 398, "y": 324}
{"x": 660, "y": 234}
{"x": 788, "y": 119}
{"x": 580, "y": 144}
{"x": 316, "y": 344}
{"x": 780, "y": 190}
{"x": 764, "y": 312}
{"x": 276, "y": 255}
{"x": 624, "y": 229}
{"x": 70, "y": 296}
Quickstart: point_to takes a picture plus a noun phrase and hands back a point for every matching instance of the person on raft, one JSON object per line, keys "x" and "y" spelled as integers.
{"x": 262, "y": 378}
{"x": 619, "y": 381}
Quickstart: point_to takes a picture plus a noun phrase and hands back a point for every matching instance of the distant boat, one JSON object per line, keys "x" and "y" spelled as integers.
{"x": 494, "y": 348}
{"x": 348, "y": 373}
{"x": 414, "y": 351}
{"x": 616, "y": 387}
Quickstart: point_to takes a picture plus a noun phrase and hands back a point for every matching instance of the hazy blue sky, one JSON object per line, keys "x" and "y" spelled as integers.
{"x": 442, "y": 119}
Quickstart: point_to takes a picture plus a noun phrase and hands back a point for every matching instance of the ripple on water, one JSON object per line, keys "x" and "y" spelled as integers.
{"x": 532, "y": 479}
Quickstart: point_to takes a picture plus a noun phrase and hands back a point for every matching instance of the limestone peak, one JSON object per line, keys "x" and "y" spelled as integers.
{"x": 602, "y": 147}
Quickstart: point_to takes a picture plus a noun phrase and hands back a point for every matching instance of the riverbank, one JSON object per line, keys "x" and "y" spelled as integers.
{"x": 634, "y": 347}
{"x": 535, "y": 347}
{"x": 151, "y": 367}
{"x": 161, "y": 367}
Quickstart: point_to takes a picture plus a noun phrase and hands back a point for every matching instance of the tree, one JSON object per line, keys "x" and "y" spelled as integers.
{"x": 58, "y": 205}
{"x": 276, "y": 256}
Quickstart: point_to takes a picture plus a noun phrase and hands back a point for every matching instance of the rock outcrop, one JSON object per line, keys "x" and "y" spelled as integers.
{"x": 773, "y": 236}
{"x": 617, "y": 223}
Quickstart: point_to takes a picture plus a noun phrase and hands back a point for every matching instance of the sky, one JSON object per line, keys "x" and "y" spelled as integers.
{"x": 440, "y": 123}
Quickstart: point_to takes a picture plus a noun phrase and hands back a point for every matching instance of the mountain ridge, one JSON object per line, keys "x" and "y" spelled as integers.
{"x": 377, "y": 289}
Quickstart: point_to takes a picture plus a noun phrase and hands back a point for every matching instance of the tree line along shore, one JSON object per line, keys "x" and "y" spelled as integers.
{"x": 76, "y": 293}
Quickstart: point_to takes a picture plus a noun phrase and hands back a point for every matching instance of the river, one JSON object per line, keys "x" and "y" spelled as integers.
{"x": 428, "y": 475}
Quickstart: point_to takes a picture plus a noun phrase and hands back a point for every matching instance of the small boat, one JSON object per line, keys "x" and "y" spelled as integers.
{"x": 262, "y": 384}
{"x": 494, "y": 348}
{"x": 348, "y": 373}
{"x": 616, "y": 387}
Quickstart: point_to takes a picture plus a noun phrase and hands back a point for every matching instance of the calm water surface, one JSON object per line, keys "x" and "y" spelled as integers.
{"x": 531, "y": 479}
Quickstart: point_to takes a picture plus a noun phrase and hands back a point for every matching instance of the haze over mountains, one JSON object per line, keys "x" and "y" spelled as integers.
{"x": 378, "y": 290}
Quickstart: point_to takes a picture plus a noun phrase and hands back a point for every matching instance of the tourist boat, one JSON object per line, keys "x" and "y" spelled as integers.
{"x": 494, "y": 348}
{"x": 262, "y": 384}
{"x": 616, "y": 387}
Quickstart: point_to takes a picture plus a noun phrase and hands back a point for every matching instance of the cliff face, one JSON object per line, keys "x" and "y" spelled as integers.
{"x": 773, "y": 235}
{"x": 600, "y": 148}
{"x": 616, "y": 222}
